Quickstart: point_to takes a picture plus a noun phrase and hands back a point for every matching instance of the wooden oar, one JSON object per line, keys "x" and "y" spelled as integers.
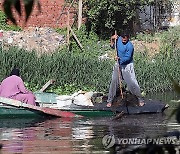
{"x": 51, "y": 81}
{"x": 45, "y": 110}
{"x": 118, "y": 116}
{"x": 119, "y": 71}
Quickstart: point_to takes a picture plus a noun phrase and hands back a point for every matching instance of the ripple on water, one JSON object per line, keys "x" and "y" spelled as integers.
{"x": 78, "y": 135}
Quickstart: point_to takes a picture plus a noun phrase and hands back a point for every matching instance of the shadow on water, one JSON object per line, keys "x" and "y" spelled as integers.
{"x": 79, "y": 135}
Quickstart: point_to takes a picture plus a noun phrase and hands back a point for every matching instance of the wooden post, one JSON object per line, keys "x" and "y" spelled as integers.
{"x": 80, "y": 14}
{"x": 68, "y": 30}
{"x": 79, "y": 43}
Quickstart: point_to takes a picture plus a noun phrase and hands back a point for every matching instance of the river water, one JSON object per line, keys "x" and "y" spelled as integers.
{"x": 82, "y": 135}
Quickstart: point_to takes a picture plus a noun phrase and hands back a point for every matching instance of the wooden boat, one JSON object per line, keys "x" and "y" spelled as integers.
{"x": 100, "y": 109}
{"x": 48, "y": 101}
{"x": 13, "y": 108}
{"x": 48, "y": 107}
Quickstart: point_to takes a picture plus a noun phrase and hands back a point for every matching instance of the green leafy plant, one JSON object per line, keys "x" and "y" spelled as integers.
{"x": 145, "y": 37}
{"x": 4, "y": 25}
{"x": 105, "y": 16}
{"x": 170, "y": 40}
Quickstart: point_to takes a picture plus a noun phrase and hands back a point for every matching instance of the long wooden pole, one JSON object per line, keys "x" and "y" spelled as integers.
{"x": 68, "y": 29}
{"x": 80, "y": 14}
{"x": 119, "y": 71}
{"x": 68, "y": 24}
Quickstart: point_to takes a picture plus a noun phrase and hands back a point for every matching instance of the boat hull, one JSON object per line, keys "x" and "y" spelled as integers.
{"x": 151, "y": 106}
{"x": 92, "y": 113}
{"x": 99, "y": 109}
{"x": 14, "y": 112}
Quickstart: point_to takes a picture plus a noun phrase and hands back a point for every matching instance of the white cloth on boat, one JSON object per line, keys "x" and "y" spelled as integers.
{"x": 83, "y": 99}
{"x": 78, "y": 98}
{"x": 64, "y": 100}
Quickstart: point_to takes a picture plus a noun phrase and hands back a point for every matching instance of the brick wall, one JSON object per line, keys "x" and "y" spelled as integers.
{"x": 48, "y": 17}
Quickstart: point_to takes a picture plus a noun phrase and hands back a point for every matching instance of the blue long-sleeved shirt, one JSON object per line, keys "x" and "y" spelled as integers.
{"x": 125, "y": 52}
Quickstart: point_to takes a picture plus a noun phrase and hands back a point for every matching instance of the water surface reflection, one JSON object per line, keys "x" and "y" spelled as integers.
{"x": 81, "y": 135}
{"x": 78, "y": 135}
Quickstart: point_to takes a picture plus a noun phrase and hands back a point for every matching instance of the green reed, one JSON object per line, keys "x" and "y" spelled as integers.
{"x": 74, "y": 72}
{"x": 152, "y": 74}
{"x": 71, "y": 71}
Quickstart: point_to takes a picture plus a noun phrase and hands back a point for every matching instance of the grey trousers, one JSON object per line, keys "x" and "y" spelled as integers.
{"x": 128, "y": 74}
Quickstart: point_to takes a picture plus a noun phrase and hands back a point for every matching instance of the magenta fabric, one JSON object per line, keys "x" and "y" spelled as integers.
{"x": 13, "y": 87}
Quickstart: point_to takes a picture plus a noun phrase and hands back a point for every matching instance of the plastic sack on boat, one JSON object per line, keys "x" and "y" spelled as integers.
{"x": 79, "y": 98}
{"x": 64, "y": 100}
{"x": 83, "y": 99}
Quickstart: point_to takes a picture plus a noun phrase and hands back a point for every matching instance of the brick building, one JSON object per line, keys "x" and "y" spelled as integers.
{"x": 53, "y": 14}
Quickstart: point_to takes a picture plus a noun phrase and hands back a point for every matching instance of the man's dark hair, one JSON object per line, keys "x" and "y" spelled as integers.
{"x": 125, "y": 33}
{"x": 15, "y": 71}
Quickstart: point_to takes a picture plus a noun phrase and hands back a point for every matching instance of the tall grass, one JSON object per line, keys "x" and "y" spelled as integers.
{"x": 152, "y": 74}
{"x": 71, "y": 71}
{"x": 170, "y": 41}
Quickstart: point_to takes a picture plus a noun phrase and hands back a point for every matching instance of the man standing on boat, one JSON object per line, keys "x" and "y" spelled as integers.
{"x": 124, "y": 68}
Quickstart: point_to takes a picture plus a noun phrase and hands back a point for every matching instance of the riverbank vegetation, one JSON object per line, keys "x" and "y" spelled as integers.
{"x": 77, "y": 69}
